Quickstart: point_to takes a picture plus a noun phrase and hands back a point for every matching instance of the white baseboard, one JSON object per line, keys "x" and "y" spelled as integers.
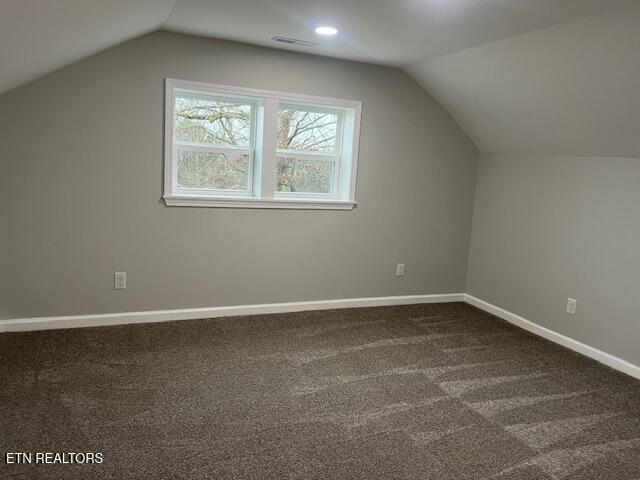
{"x": 77, "y": 321}
{"x": 591, "y": 352}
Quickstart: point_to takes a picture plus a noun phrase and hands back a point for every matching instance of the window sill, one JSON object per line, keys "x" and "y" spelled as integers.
{"x": 251, "y": 202}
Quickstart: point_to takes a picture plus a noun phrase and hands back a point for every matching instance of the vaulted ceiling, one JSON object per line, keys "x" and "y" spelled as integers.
{"x": 396, "y": 32}
{"x": 569, "y": 89}
{"x": 552, "y": 76}
{"x": 39, "y": 36}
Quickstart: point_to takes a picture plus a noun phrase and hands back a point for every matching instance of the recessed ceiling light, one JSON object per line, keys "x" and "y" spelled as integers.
{"x": 326, "y": 31}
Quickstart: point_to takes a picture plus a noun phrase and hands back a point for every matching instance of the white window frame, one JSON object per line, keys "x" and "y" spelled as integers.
{"x": 263, "y": 152}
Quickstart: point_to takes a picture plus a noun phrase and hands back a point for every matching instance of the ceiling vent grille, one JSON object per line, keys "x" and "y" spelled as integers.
{"x": 294, "y": 41}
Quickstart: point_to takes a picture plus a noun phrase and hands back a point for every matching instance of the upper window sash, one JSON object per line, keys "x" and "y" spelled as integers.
{"x": 311, "y": 125}
{"x": 240, "y": 114}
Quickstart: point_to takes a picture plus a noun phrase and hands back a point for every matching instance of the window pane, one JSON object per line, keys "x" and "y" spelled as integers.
{"x": 304, "y": 176}
{"x": 221, "y": 171}
{"x": 307, "y": 131}
{"x": 211, "y": 121}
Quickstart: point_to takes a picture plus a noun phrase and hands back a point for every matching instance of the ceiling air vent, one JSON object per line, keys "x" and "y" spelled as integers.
{"x": 294, "y": 41}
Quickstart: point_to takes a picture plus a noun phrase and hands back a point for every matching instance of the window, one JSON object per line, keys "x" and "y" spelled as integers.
{"x": 213, "y": 144}
{"x": 307, "y": 158}
{"x": 236, "y": 147}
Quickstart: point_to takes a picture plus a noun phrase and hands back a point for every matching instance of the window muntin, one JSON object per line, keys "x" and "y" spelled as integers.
{"x": 258, "y": 147}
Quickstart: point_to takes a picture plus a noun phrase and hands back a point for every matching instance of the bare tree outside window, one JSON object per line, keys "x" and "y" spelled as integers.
{"x": 310, "y": 132}
{"x": 204, "y": 121}
{"x": 307, "y": 131}
{"x": 213, "y": 123}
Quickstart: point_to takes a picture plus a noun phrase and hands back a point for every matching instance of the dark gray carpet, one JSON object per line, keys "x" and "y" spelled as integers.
{"x": 429, "y": 391}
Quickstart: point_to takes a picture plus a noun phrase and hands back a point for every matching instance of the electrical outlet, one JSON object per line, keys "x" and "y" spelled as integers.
{"x": 400, "y": 270}
{"x": 571, "y": 306}
{"x": 120, "y": 280}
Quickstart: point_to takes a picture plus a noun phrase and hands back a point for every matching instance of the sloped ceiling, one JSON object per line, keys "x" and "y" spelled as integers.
{"x": 551, "y": 76}
{"x": 38, "y": 36}
{"x": 389, "y": 32}
{"x": 569, "y": 89}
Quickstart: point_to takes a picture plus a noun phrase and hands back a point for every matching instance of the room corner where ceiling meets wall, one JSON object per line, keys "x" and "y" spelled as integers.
{"x": 570, "y": 89}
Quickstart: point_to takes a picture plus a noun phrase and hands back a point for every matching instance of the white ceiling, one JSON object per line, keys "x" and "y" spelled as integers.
{"x": 569, "y": 89}
{"x": 389, "y": 32}
{"x": 38, "y": 36}
{"x": 569, "y": 85}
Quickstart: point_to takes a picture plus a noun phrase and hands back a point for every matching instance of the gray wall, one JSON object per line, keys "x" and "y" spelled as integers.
{"x": 82, "y": 151}
{"x": 5, "y": 208}
{"x": 549, "y": 228}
